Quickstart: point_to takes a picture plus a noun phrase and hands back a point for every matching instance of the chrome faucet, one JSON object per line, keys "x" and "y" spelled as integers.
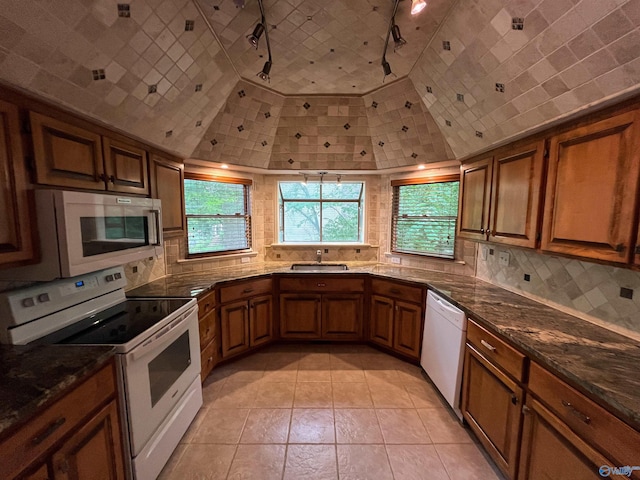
{"x": 319, "y": 256}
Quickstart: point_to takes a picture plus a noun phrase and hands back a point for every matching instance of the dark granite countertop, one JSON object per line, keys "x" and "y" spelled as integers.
{"x": 601, "y": 363}
{"x": 33, "y": 376}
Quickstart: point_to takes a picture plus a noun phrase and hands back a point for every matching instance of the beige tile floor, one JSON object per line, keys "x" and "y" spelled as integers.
{"x": 325, "y": 412}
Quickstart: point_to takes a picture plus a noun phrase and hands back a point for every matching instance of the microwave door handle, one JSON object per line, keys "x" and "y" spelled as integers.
{"x": 158, "y": 218}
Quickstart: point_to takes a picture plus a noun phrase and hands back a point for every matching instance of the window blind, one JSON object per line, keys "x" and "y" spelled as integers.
{"x": 424, "y": 217}
{"x": 218, "y": 214}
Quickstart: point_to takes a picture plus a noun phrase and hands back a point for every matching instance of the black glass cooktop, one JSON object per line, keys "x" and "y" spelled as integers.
{"x": 117, "y": 325}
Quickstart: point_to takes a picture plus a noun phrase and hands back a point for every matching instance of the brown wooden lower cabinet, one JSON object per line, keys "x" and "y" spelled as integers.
{"x": 342, "y": 316}
{"x": 234, "y": 328}
{"x": 396, "y": 324}
{"x": 300, "y": 316}
{"x": 491, "y": 403}
{"x": 260, "y": 320}
{"x": 78, "y": 436}
{"x": 381, "y": 320}
{"x": 93, "y": 451}
{"x": 551, "y": 450}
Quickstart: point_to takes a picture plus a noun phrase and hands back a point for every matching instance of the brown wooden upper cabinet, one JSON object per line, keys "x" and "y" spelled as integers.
{"x": 167, "y": 184}
{"x": 500, "y": 196}
{"x": 16, "y": 236}
{"x": 591, "y": 192}
{"x": 70, "y": 156}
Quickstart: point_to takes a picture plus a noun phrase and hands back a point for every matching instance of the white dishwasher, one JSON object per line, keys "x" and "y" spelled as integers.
{"x": 443, "y": 348}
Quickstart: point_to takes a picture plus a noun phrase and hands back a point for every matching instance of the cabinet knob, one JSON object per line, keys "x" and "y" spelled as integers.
{"x": 488, "y": 232}
{"x": 525, "y": 410}
{"x": 620, "y": 248}
{"x": 112, "y": 179}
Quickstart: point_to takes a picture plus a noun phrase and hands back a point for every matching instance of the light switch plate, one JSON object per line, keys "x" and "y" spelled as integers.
{"x": 503, "y": 259}
{"x": 484, "y": 251}
{"x": 395, "y": 260}
{"x": 245, "y": 259}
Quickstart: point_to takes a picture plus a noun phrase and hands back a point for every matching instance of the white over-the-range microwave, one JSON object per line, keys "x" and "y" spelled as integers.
{"x": 84, "y": 232}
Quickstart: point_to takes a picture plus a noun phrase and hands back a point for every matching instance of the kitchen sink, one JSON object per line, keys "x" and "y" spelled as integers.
{"x": 309, "y": 267}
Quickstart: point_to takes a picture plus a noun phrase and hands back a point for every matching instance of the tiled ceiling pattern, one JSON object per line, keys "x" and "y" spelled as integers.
{"x": 243, "y": 132}
{"x": 322, "y": 46}
{"x": 325, "y": 133}
{"x": 154, "y": 71}
{"x": 403, "y": 132}
{"x": 386, "y": 129}
{"x": 497, "y": 80}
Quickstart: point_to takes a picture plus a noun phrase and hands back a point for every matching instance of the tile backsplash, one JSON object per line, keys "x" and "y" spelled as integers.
{"x": 589, "y": 290}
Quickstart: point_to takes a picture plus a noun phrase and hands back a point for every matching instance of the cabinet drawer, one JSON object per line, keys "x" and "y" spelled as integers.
{"x": 206, "y": 303}
{"x": 495, "y": 350}
{"x": 208, "y": 358}
{"x": 397, "y": 290}
{"x": 243, "y": 290}
{"x": 322, "y": 284}
{"x": 593, "y": 423}
{"x": 41, "y": 433}
{"x": 207, "y": 328}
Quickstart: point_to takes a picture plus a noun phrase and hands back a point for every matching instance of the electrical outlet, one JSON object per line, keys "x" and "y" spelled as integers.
{"x": 395, "y": 260}
{"x": 326, "y": 250}
{"x": 626, "y": 293}
{"x": 527, "y": 277}
{"x": 245, "y": 259}
{"x": 503, "y": 259}
{"x": 135, "y": 269}
{"x": 491, "y": 251}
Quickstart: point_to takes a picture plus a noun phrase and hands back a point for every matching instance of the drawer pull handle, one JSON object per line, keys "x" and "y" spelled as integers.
{"x": 37, "y": 440}
{"x": 488, "y": 346}
{"x": 322, "y": 284}
{"x": 247, "y": 290}
{"x": 574, "y": 411}
{"x": 395, "y": 291}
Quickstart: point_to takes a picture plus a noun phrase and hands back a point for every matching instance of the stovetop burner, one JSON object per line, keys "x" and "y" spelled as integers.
{"x": 116, "y": 325}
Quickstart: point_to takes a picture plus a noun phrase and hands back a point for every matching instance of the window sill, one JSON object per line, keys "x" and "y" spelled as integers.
{"x": 217, "y": 257}
{"x": 427, "y": 258}
{"x": 321, "y": 245}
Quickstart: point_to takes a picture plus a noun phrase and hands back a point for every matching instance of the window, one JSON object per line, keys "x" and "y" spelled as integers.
{"x": 218, "y": 214}
{"x": 424, "y": 216}
{"x": 321, "y": 212}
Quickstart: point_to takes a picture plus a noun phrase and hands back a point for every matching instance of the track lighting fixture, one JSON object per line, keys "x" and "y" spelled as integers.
{"x": 255, "y": 35}
{"x": 264, "y": 74}
{"x": 397, "y": 37}
{"x": 253, "y": 39}
{"x": 417, "y": 6}
{"x": 386, "y": 68}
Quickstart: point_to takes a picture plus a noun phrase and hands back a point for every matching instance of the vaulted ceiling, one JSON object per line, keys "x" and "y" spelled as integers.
{"x": 474, "y": 73}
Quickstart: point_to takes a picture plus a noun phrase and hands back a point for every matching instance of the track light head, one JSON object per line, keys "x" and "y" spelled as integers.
{"x": 386, "y": 67}
{"x": 397, "y": 37}
{"x": 255, "y": 35}
{"x": 264, "y": 74}
{"x": 417, "y": 6}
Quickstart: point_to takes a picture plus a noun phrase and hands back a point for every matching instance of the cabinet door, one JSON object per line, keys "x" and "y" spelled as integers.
{"x": 551, "y": 450}
{"x": 167, "y": 184}
{"x": 207, "y": 328}
{"x": 407, "y": 329}
{"x": 299, "y": 315}
{"x": 94, "y": 451}
{"x": 475, "y": 192}
{"x": 515, "y": 195}
{"x": 126, "y": 167}
{"x": 208, "y": 358}
{"x": 17, "y": 244}
{"x": 381, "y": 322}
{"x": 342, "y": 316}
{"x": 491, "y": 404}
{"x": 66, "y": 155}
{"x": 591, "y": 190}
{"x": 261, "y": 323}
{"x": 234, "y": 328}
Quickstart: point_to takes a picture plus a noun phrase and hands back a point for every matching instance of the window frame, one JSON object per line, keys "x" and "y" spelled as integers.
{"x": 395, "y": 185}
{"x": 247, "y": 183}
{"x": 361, "y": 202}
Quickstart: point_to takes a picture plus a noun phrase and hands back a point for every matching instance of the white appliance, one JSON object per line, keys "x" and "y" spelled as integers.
{"x": 443, "y": 348}
{"x": 157, "y": 353}
{"x": 84, "y": 232}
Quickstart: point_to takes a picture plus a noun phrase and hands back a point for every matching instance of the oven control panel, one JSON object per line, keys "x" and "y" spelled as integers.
{"x": 23, "y": 305}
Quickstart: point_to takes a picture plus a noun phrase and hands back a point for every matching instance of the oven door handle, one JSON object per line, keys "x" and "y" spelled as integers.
{"x": 167, "y": 334}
